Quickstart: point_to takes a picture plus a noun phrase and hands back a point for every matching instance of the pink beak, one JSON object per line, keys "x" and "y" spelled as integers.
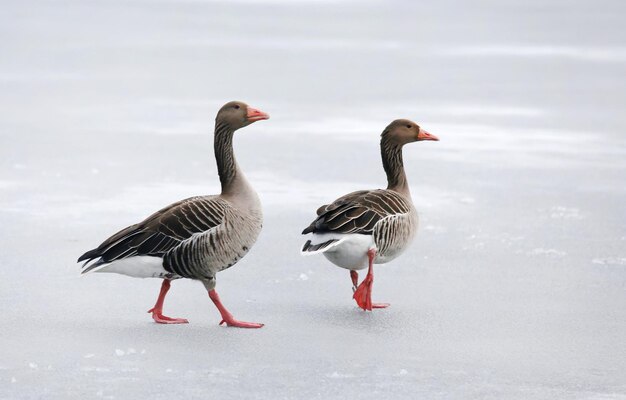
{"x": 256, "y": 115}
{"x": 423, "y": 135}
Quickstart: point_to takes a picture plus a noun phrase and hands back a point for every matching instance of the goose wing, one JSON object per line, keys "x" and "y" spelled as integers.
{"x": 160, "y": 232}
{"x": 358, "y": 212}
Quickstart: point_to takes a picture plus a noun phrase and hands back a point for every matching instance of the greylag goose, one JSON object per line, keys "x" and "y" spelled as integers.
{"x": 370, "y": 227}
{"x": 193, "y": 238}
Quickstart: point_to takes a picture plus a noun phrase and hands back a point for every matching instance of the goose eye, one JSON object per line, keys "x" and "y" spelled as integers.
{"x": 409, "y": 126}
{"x": 236, "y": 106}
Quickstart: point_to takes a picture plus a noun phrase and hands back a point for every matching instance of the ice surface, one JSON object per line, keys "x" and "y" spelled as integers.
{"x": 514, "y": 289}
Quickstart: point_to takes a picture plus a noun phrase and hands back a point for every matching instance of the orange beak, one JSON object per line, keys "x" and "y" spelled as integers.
{"x": 256, "y": 115}
{"x": 423, "y": 135}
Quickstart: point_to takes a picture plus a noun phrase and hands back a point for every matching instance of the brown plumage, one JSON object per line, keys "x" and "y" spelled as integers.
{"x": 358, "y": 212}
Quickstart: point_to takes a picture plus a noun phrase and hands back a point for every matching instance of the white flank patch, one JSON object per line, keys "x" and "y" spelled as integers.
{"x": 351, "y": 251}
{"x": 137, "y": 267}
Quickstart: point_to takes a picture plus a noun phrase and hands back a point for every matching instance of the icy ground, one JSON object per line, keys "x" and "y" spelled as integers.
{"x": 514, "y": 289}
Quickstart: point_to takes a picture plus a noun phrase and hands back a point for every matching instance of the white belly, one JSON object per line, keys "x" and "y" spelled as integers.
{"x": 350, "y": 252}
{"x": 137, "y": 267}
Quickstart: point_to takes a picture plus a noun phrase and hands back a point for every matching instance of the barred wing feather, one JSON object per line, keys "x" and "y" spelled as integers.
{"x": 160, "y": 232}
{"x": 358, "y": 212}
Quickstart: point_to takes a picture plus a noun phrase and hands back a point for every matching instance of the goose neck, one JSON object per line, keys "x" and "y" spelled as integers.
{"x": 394, "y": 167}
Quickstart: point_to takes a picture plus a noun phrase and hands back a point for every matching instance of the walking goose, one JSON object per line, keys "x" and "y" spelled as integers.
{"x": 193, "y": 238}
{"x": 370, "y": 227}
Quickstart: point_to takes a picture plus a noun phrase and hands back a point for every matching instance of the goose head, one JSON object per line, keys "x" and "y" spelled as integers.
{"x": 238, "y": 114}
{"x": 403, "y": 131}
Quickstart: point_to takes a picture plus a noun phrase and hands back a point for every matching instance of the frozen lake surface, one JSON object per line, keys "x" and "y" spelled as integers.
{"x": 515, "y": 287}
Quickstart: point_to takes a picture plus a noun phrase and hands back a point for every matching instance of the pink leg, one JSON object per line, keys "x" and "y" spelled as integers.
{"x": 363, "y": 293}
{"x": 157, "y": 310}
{"x": 355, "y": 280}
{"x": 227, "y": 317}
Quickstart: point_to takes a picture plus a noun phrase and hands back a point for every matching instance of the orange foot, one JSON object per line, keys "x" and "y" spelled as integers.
{"x": 363, "y": 295}
{"x": 240, "y": 324}
{"x": 159, "y": 318}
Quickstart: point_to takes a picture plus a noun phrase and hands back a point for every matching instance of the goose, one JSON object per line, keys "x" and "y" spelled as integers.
{"x": 194, "y": 238}
{"x": 370, "y": 227}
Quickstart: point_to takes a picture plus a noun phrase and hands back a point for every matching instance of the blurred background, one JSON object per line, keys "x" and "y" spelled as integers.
{"x": 514, "y": 288}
